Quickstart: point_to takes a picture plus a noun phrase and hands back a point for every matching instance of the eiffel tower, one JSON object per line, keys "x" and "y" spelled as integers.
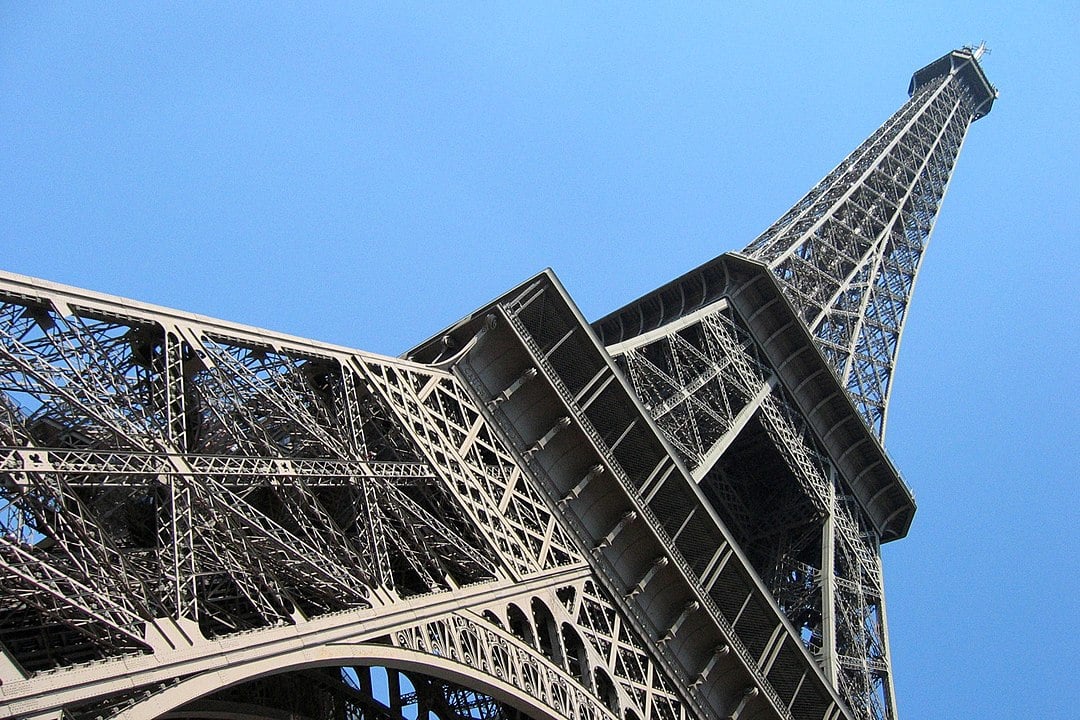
{"x": 672, "y": 513}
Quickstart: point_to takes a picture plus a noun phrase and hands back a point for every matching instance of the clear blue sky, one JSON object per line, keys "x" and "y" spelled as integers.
{"x": 368, "y": 175}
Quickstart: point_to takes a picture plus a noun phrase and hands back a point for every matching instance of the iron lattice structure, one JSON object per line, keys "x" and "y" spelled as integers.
{"x": 848, "y": 253}
{"x": 710, "y": 365}
{"x": 673, "y": 513}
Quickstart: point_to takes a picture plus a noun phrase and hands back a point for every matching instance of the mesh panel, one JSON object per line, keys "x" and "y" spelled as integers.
{"x": 567, "y": 361}
{"x": 544, "y": 321}
{"x": 787, "y": 670}
{"x": 729, "y": 591}
{"x": 698, "y": 542}
{"x": 639, "y": 453}
{"x": 672, "y": 504}
{"x": 608, "y": 415}
{"x": 755, "y": 626}
{"x": 810, "y": 702}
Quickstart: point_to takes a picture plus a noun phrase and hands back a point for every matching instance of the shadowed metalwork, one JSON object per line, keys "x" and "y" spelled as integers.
{"x": 673, "y": 513}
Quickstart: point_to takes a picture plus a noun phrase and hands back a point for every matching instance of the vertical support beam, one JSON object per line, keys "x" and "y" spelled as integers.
{"x": 180, "y": 543}
{"x": 393, "y": 688}
{"x": 829, "y": 660}
{"x": 374, "y": 533}
{"x": 424, "y": 699}
{"x": 890, "y": 694}
{"x": 363, "y": 679}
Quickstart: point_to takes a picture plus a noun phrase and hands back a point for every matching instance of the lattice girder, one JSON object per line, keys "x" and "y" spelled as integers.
{"x": 531, "y": 333}
{"x": 794, "y": 503}
{"x": 781, "y": 531}
{"x": 208, "y": 484}
{"x": 776, "y": 456}
{"x": 498, "y": 520}
{"x": 848, "y": 253}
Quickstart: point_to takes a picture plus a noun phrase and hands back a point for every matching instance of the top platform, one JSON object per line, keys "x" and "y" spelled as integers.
{"x": 965, "y": 64}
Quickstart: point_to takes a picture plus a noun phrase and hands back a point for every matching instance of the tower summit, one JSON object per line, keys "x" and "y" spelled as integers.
{"x": 848, "y": 253}
{"x": 672, "y": 514}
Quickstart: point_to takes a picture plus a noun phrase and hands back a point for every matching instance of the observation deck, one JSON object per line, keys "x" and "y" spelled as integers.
{"x": 965, "y": 64}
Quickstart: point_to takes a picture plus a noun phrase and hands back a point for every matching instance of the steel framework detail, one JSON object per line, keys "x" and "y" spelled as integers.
{"x": 674, "y": 513}
{"x": 746, "y": 364}
{"x": 848, "y": 253}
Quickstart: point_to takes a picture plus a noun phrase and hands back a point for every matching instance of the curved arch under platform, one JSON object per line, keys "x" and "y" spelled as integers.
{"x": 564, "y": 697}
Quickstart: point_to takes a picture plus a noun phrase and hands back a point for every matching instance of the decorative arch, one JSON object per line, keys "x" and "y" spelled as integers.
{"x": 454, "y": 649}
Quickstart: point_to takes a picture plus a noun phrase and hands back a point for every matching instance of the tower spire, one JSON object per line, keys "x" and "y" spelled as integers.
{"x": 724, "y": 360}
{"x": 848, "y": 253}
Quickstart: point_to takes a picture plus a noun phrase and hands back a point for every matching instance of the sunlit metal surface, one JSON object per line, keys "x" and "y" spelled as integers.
{"x": 673, "y": 513}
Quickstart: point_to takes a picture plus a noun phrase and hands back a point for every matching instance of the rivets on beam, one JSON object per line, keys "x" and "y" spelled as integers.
{"x": 627, "y": 517}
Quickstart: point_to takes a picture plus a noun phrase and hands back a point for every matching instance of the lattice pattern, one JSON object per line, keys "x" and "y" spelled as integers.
{"x": 485, "y": 477}
{"x": 689, "y": 387}
{"x": 169, "y": 483}
{"x": 156, "y": 471}
{"x": 165, "y": 476}
{"x": 488, "y": 650}
{"x": 641, "y": 687}
{"x": 848, "y": 253}
{"x": 568, "y": 647}
{"x": 776, "y": 511}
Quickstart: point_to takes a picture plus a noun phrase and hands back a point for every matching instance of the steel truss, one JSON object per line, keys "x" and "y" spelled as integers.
{"x": 189, "y": 505}
{"x": 675, "y": 513}
{"x": 848, "y": 253}
{"x": 764, "y": 438}
{"x": 718, "y": 401}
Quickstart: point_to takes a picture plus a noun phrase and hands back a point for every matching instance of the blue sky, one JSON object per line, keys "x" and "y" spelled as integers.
{"x": 367, "y": 175}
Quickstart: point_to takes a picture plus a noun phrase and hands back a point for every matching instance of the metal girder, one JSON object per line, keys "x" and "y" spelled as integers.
{"x": 188, "y": 500}
{"x": 201, "y": 518}
{"x": 744, "y": 363}
{"x": 848, "y": 253}
{"x": 779, "y": 512}
{"x": 678, "y": 568}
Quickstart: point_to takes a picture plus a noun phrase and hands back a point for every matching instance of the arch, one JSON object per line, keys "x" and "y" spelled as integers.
{"x": 493, "y": 619}
{"x": 605, "y": 689}
{"x": 505, "y": 690}
{"x": 547, "y": 632}
{"x": 575, "y": 656}
{"x": 520, "y": 625}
